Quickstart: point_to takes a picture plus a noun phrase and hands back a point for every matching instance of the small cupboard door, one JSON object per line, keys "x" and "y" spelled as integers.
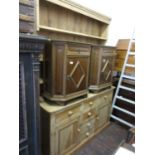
{"x": 106, "y": 69}
{"x": 77, "y": 74}
{"x": 102, "y": 116}
{"x": 67, "y": 137}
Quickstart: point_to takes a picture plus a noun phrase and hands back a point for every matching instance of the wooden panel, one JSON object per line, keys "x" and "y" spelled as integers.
{"x": 102, "y": 116}
{"x": 67, "y": 137}
{"x": 122, "y": 53}
{"x": 26, "y": 16}
{"x": 70, "y": 37}
{"x": 70, "y": 5}
{"x": 58, "y": 68}
{"x": 127, "y": 70}
{"x": 67, "y": 115}
{"x": 120, "y": 62}
{"x": 51, "y": 17}
{"x": 103, "y": 100}
{"x": 74, "y": 49}
{"x": 87, "y": 126}
{"x": 101, "y": 67}
{"x": 94, "y": 63}
{"x": 77, "y": 71}
{"x": 106, "y": 69}
{"x": 124, "y": 43}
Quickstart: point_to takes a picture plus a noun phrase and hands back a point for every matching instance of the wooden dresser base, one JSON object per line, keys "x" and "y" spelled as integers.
{"x": 72, "y": 126}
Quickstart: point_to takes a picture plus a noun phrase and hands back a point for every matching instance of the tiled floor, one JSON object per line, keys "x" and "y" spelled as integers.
{"x": 106, "y": 142}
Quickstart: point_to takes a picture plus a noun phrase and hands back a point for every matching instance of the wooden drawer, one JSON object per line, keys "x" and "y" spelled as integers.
{"x": 89, "y": 114}
{"x": 86, "y": 126}
{"x": 86, "y": 134}
{"x": 67, "y": 115}
{"x": 74, "y": 49}
{"x": 89, "y": 104}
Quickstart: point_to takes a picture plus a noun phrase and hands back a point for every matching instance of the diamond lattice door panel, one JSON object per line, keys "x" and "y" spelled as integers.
{"x": 76, "y": 74}
{"x": 106, "y": 70}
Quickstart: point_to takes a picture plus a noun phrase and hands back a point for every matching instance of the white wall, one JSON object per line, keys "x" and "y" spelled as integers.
{"x": 122, "y": 13}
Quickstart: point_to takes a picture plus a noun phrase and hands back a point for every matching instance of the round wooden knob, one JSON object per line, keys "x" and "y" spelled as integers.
{"x": 97, "y": 118}
{"x": 105, "y": 97}
{"x": 78, "y": 130}
{"x": 70, "y": 113}
{"x": 88, "y": 124}
{"x": 90, "y": 103}
{"x": 87, "y": 134}
{"x": 89, "y": 113}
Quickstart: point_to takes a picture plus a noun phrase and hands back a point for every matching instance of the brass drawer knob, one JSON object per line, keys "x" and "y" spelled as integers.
{"x": 78, "y": 130}
{"x": 90, "y": 103}
{"x": 87, "y": 134}
{"x": 89, "y": 113}
{"x": 70, "y": 113}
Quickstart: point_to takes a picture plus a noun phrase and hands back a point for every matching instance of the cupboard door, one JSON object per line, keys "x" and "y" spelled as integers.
{"x": 77, "y": 74}
{"x": 103, "y": 116}
{"x": 67, "y": 137}
{"x": 106, "y": 69}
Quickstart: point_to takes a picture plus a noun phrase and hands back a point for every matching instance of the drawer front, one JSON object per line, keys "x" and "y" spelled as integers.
{"x": 86, "y": 134}
{"x": 89, "y": 104}
{"x": 108, "y": 49}
{"x": 67, "y": 115}
{"x": 74, "y": 49}
{"x": 89, "y": 114}
{"x": 103, "y": 100}
{"x": 87, "y": 126}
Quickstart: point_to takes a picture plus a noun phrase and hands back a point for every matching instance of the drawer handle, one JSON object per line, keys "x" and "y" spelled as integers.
{"x": 90, "y": 103}
{"x": 105, "y": 97}
{"x": 89, "y": 113}
{"x": 70, "y": 113}
{"x": 78, "y": 130}
{"x": 87, "y": 134}
{"x": 89, "y": 125}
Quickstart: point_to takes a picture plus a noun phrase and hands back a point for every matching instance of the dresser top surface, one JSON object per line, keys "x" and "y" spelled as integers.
{"x": 53, "y": 108}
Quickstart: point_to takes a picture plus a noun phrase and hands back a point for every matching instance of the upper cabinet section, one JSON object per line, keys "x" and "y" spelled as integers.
{"x": 66, "y": 20}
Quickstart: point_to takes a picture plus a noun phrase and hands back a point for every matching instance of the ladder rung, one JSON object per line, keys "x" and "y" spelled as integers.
{"x": 124, "y": 99}
{"x": 128, "y": 77}
{"x": 125, "y": 111}
{"x": 122, "y": 121}
{"x": 130, "y": 65}
{"x": 126, "y": 88}
{"x": 131, "y": 53}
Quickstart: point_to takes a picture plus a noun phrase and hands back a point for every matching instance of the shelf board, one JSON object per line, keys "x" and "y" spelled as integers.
{"x": 70, "y": 32}
{"x": 82, "y": 10}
